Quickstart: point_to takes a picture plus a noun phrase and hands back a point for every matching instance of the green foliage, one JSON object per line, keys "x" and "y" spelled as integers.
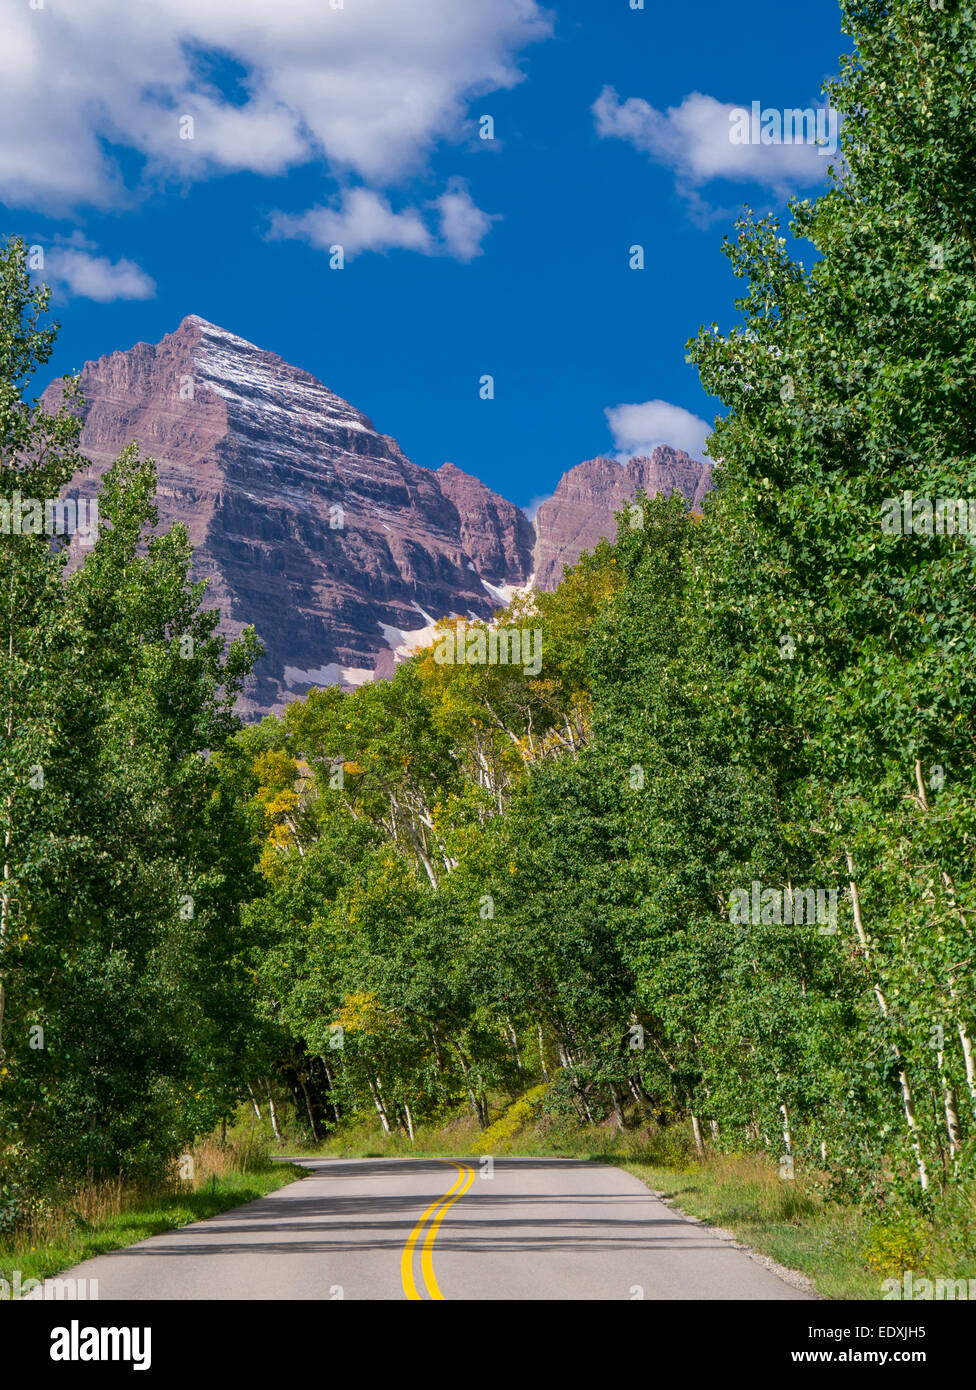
{"x": 122, "y": 1000}
{"x": 542, "y": 870}
{"x": 472, "y": 883}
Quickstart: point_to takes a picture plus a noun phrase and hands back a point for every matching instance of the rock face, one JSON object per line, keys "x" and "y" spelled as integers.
{"x": 491, "y": 529}
{"x": 315, "y": 528}
{"x": 582, "y": 509}
{"x": 308, "y": 523}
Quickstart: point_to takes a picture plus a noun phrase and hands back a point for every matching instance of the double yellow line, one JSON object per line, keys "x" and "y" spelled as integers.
{"x": 464, "y": 1180}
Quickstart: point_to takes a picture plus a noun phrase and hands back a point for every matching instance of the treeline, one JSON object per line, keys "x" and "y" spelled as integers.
{"x": 123, "y": 1006}
{"x": 716, "y": 860}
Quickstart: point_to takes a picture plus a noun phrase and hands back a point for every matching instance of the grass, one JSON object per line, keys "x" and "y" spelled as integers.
{"x": 846, "y": 1251}
{"x": 108, "y": 1216}
{"x": 785, "y": 1220}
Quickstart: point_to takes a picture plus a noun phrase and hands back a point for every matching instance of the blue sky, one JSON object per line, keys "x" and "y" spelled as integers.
{"x": 360, "y": 126}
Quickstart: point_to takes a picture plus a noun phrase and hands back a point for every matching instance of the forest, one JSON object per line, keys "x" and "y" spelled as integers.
{"x": 479, "y": 882}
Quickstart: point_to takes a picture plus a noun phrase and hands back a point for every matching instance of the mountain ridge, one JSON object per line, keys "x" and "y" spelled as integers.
{"x": 314, "y": 526}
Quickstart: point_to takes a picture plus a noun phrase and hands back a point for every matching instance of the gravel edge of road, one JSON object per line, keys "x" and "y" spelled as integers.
{"x": 793, "y": 1277}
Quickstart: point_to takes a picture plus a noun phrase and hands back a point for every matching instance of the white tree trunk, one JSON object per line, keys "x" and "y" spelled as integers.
{"x": 380, "y": 1107}
{"x": 254, "y": 1100}
{"x": 787, "y": 1136}
{"x": 908, "y": 1101}
{"x": 964, "y": 1039}
{"x": 271, "y": 1107}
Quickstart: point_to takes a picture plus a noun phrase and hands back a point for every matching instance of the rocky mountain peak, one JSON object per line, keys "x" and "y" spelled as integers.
{"x": 312, "y": 525}
{"x": 582, "y": 510}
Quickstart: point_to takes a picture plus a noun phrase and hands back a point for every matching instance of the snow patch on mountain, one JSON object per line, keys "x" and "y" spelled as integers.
{"x": 330, "y": 674}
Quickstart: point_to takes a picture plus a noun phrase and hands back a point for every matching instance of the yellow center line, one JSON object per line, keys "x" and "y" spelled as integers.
{"x": 426, "y": 1255}
{"x": 406, "y": 1259}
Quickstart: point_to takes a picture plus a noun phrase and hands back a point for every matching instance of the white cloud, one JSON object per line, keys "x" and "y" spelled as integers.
{"x": 368, "y": 89}
{"x": 639, "y": 428}
{"x": 531, "y": 510}
{"x": 72, "y": 270}
{"x": 695, "y": 140}
{"x": 463, "y": 225}
{"x": 363, "y": 220}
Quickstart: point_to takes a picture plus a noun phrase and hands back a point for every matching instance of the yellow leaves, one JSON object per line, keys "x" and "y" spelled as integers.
{"x": 280, "y": 804}
{"x": 499, "y": 1135}
{"x": 284, "y": 785}
{"x": 277, "y": 774}
{"x": 274, "y": 770}
{"x": 279, "y": 837}
{"x": 361, "y": 1013}
{"x": 273, "y": 863}
{"x": 547, "y": 687}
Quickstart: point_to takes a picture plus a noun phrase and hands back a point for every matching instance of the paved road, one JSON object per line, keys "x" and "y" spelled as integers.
{"x": 538, "y": 1228}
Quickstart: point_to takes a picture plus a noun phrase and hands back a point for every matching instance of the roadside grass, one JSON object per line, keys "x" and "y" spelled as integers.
{"x": 110, "y": 1215}
{"x": 847, "y": 1251}
{"x": 785, "y": 1220}
{"x": 362, "y": 1139}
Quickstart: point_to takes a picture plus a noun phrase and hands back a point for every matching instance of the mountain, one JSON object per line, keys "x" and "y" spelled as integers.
{"x": 316, "y": 528}
{"x": 582, "y": 509}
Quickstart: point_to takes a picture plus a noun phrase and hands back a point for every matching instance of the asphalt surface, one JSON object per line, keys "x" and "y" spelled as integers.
{"x": 538, "y": 1228}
